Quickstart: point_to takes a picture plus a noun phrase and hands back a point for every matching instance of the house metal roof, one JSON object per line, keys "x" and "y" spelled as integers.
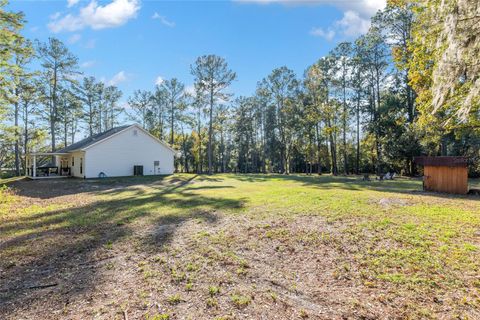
{"x": 93, "y": 139}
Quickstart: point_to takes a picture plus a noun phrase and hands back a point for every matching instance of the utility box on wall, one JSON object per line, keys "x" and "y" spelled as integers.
{"x": 138, "y": 170}
{"x": 444, "y": 174}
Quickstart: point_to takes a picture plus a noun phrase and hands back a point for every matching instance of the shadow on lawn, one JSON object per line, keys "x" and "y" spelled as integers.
{"x": 47, "y": 189}
{"x": 353, "y": 183}
{"x": 211, "y": 187}
{"x": 57, "y": 257}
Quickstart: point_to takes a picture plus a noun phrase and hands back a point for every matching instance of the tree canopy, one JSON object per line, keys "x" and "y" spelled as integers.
{"x": 407, "y": 87}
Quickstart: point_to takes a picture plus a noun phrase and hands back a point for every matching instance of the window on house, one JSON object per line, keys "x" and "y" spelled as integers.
{"x": 73, "y": 161}
{"x": 81, "y": 165}
{"x": 135, "y": 132}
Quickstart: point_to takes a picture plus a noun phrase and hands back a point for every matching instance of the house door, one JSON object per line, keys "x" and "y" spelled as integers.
{"x": 156, "y": 167}
{"x": 64, "y": 170}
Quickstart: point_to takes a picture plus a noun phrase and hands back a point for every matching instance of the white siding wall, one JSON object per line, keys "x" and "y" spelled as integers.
{"x": 75, "y": 169}
{"x": 117, "y": 155}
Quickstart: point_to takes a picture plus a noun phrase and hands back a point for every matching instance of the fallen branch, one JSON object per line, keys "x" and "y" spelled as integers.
{"x": 95, "y": 261}
{"x": 41, "y": 286}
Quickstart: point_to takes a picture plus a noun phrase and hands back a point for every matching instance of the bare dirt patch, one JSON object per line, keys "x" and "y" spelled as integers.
{"x": 393, "y": 202}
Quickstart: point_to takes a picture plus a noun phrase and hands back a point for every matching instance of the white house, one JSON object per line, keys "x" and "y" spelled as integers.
{"x": 121, "y": 151}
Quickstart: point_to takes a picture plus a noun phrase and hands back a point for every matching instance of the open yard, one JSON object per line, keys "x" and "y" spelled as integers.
{"x": 237, "y": 247}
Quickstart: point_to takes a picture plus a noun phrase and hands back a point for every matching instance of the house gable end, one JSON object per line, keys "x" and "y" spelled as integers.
{"x": 129, "y": 130}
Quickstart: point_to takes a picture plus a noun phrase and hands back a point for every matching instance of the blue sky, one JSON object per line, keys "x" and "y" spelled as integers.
{"x": 132, "y": 43}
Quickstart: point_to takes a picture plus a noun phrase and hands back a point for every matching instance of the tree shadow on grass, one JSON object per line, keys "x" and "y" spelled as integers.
{"x": 52, "y": 257}
{"x": 211, "y": 187}
{"x": 47, "y": 189}
{"x": 209, "y": 178}
{"x": 352, "y": 183}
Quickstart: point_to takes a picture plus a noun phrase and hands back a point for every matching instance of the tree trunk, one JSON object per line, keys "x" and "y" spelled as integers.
{"x": 74, "y": 130}
{"x": 17, "y": 135}
{"x": 160, "y": 123}
{"x": 357, "y": 160}
{"x": 344, "y": 120}
{"x": 333, "y": 151}
{"x": 52, "y": 132}
{"x": 319, "y": 149}
{"x": 333, "y": 148}
{"x": 287, "y": 160}
{"x": 90, "y": 118}
{"x": 185, "y": 152}
{"x": 443, "y": 146}
{"x": 210, "y": 134}
{"x": 100, "y": 111}
{"x": 378, "y": 146}
{"x": 25, "y": 132}
{"x": 53, "y": 116}
{"x": 65, "y": 126}
{"x": 200, "y": 157}
{"x": 223, "y": 151}
{"x": 310, "y": 160}
{"x": 410, "y": 100}
{"x": 283, "y": 150}
{"x": 172, "y": 122}
{"x": 65, "y": 132}
{"x": 264, "y": 143}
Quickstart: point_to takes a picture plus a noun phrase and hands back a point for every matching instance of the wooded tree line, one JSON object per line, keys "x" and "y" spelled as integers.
{"x": 54, "y": 103}
{"x": 370, "y": 105}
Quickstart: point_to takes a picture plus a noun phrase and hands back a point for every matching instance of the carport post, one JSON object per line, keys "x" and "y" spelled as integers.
{"x": 34, "y": 166}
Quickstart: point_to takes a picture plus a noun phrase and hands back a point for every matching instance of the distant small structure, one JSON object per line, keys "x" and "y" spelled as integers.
{"x": 444, "y": 174}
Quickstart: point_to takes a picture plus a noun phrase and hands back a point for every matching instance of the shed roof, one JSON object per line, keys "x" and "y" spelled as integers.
{"x": 442, "y": 161}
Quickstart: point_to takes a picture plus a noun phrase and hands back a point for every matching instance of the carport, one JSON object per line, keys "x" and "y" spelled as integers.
{"x": 34, "y": 171}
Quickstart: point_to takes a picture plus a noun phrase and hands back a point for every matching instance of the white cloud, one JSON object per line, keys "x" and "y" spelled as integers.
{"x": 88, "y": 64}
{"x": 163, "y": 20}
{"x": 159, "y": 80}
{"x": 328, "y": 34}
{"x": 95, "y": 16}
{"x": 55, "y": 16}
{"x": 363, "y": 7}
{"x": 71, "y": 3}
{"x": 118, "y": 78}
{"x": 352, "y": 24}
{"x": 355, "y": 20}
{"x": 74, "y": 38}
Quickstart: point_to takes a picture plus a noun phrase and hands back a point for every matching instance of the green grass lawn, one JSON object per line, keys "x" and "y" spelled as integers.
{"x": 236, "y": 247}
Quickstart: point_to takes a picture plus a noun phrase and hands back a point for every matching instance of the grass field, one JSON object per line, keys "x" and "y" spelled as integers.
{"x": 237, "y": 247}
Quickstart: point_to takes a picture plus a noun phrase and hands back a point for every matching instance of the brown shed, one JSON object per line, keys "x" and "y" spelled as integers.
{"x": 444, "y": 174}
